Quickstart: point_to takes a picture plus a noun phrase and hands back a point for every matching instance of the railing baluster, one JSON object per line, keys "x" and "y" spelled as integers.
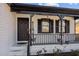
{"x": 50, "y": 38}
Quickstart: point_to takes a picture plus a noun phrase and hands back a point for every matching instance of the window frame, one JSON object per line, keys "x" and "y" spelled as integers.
{"x": 46, "y": 20}
{"x": 64, "y": 26}
{"x": 42, "y": 26}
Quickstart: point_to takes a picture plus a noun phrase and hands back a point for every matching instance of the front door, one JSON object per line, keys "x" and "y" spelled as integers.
{"x": 23, "y": 29}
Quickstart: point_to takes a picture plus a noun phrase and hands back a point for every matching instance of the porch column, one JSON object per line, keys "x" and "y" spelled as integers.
{"x": 31, "y": 28}
{"x": 29, "y": 40}
{"x": 61, "y": 32}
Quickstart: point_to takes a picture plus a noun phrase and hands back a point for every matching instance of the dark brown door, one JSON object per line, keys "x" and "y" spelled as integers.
{"x": 23, "y": 29}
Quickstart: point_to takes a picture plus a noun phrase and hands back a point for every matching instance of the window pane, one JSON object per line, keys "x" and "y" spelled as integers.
{"x": 67, "y": 26}
{"x": 39, "y": 26}
{"x": 57, "y": 26}
{"x": 45, "y": 29}
{"x": 45, "y": 26}
{"x": 63, "y": 26}
{"x": 45, "y": 23}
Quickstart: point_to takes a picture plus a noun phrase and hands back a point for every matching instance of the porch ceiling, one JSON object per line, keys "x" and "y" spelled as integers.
{"x": 20, "y": 7}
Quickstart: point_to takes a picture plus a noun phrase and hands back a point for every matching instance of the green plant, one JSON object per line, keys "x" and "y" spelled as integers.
{"x": 74, "y": 53}
{"x": 40, "y": 51}
{"x": 57, "y": 52}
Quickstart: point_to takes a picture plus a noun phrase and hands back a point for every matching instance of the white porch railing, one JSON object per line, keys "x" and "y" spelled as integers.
{"x": 49, "y": 38}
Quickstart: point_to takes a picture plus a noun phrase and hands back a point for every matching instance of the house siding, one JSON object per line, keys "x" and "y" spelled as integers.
{"x": 7, "y": 29}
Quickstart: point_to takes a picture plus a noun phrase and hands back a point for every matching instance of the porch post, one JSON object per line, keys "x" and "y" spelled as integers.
{"x": 31, "y": 28}
{"x": 29, "y": 40}
{"x": 61, "y": 33}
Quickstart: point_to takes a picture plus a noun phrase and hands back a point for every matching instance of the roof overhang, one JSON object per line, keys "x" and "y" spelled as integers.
{"x": 28, "y": 8}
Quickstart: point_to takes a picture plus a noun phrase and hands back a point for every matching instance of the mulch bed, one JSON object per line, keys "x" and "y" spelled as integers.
{"x": 59, "y": 54}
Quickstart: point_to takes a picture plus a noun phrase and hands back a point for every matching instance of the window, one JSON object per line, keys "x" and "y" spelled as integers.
{"x": 57, "y": 26}
{"x": 65, "y": 26}
{"x": 45, "y": 26}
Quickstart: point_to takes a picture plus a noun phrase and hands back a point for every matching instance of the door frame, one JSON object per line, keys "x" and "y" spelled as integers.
{"x": 21, "y": 16}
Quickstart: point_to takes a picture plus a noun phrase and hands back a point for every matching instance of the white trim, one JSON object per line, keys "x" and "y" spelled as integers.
{"x": 23, "y": 16}
{"x": 22, "y": 41}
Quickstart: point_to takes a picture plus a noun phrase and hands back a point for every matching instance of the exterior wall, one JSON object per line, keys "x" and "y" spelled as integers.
{"x": 8, "y": 36}
{"x": 7, "y": 29}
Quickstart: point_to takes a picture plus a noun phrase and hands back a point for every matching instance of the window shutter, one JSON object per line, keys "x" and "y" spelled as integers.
{"x": 51, "y": 26}
{"x": 39, "y": 26}
{"x": 57, "y": 26}
{"x": 67, "y": 26}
